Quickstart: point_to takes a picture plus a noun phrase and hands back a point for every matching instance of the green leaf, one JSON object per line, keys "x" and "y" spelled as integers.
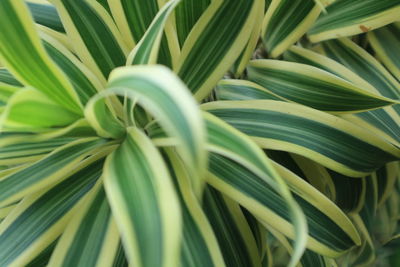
{"x": 165, "y": 97}
{"x": 28, "y": 61}
{"x": 232, "y": 230}
{"x": 83, "y": 80}
{"x": 91, "y": 237}
{"x": 268, "y": 206}
{"x": 351, "y": 17}
{"x": 50, "y": 170}
{"x": 324, "y": 138}
{"x": 41, "y": 217}
{"x": 313, "y": 87}
{"x": 225, "y": 140}
{"x": 133, "y": 18}
{"x": 7, "y": 78}
{"x": 384, "y": 122}
{"x": 97, "y": 41}
{"x": 243, "y": 90}
{"x": 46, "y": 15}
{"x": 6, "y": 91}
{"x": 285, "y": 22}
{"x": 29, "y": 151}
{"x": 386, "y": 179}
{"x": 248, "y": 52}
{"x": 215, "y": 42}
{"x": 187, "y": 14}
{"x": 31, "y": 110}
{"x": 199, "y": 243}
{"x": 146, "y": 51}
{"x": 144, "y": 202}
{"x": 102, "y": 119}
{"x": 386, "y": 43}
{"x": 366, "y": 66}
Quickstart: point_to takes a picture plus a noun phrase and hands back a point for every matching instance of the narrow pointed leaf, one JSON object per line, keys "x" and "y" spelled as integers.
{"x": 285, "y": 22}
{"x": 133, "y": 18}
{"x": 386, "y": 44}
{"x": 40, "y": 218}
{"x": 215, "y": 42}
{"x": 143, "y": 202}
{"x": 147, "y": 50}
{"x": 199, "y": 243}
{"x": 165, "y": 97}
{"x": 351, "y": 17}
{"x": 83, "y": 80}
{"x": 30, "y": 109}
{"x": 50, "y": 170}
{"x": 26, "y": 152}
{"x": 187, "y": 14}
{"x": 97, "y": 40}
{"x": 46, "y": 15}
{"x": 384, "y": 122}
{"x": 29, "y": 61}
{"x": 243, "y": 90}
{"x": 313, "y": 87}
{"x": 91, "y": 237}
{"x": 326, "y": 139}
{"x": 232, "y": 230}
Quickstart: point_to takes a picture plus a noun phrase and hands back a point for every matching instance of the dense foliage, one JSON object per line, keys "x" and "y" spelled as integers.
{"x": 199, "y": 133}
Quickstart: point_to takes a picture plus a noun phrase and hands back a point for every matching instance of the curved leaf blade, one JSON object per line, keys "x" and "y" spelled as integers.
{"x": 144, "y": 202}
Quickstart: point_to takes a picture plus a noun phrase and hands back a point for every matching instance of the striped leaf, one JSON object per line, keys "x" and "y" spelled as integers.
{"x": 27, "y": 152}
{"x": 232, "y": 230}
{"x": 42, "y": 259}
{"x": 102, "y": 119}
{"x": 350, "y": 17}
{"x": 365, "y": 255}
{"x": 260, "y": 199}
{"x": 386, "y": 44}
{"x": 199, "y": 243}
{"x": 285, "y": 22}
{"x": 83, "y": 80}
{"x": 30, "y": 109}
{"x": 91, "y": 237}
{"x": 386, "y": 181}
{"x": 79, "y": 128}
{"x": 244, "y": 154}
{"x": 29, "y": 61}
{"x": 96, "y": 39}
{"x": 133, "y": 18}
{"x": 187, "y": 14}
{"x": 240, "y": 65}
{"x": 318, "y": 208}
{"x": 46, "y": 15}
{"x": 385, "y": 122}
{"x": 350, "y": 193}
{"x": 310, "y": 171}
{"x": 6, "y": 91}
{"x": 4, "y": 211}
{"x": 225, "y": 140}
{"x": 41, "y": 217}
{"x": 361, "y": 62}
{"x": 243, "y": 90}
{"x": 146, "y": 51}
{"x": 215, "y": 42}
{"x": 313, "y": 87}
{"x": 7, "y": 78}
{"x": 144, "y": 202}
{"x": 50, "y": 170}
{"x": 165, "y": 97}
{"x": 370, "y": 205}
{"x": 326, "y": 139}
